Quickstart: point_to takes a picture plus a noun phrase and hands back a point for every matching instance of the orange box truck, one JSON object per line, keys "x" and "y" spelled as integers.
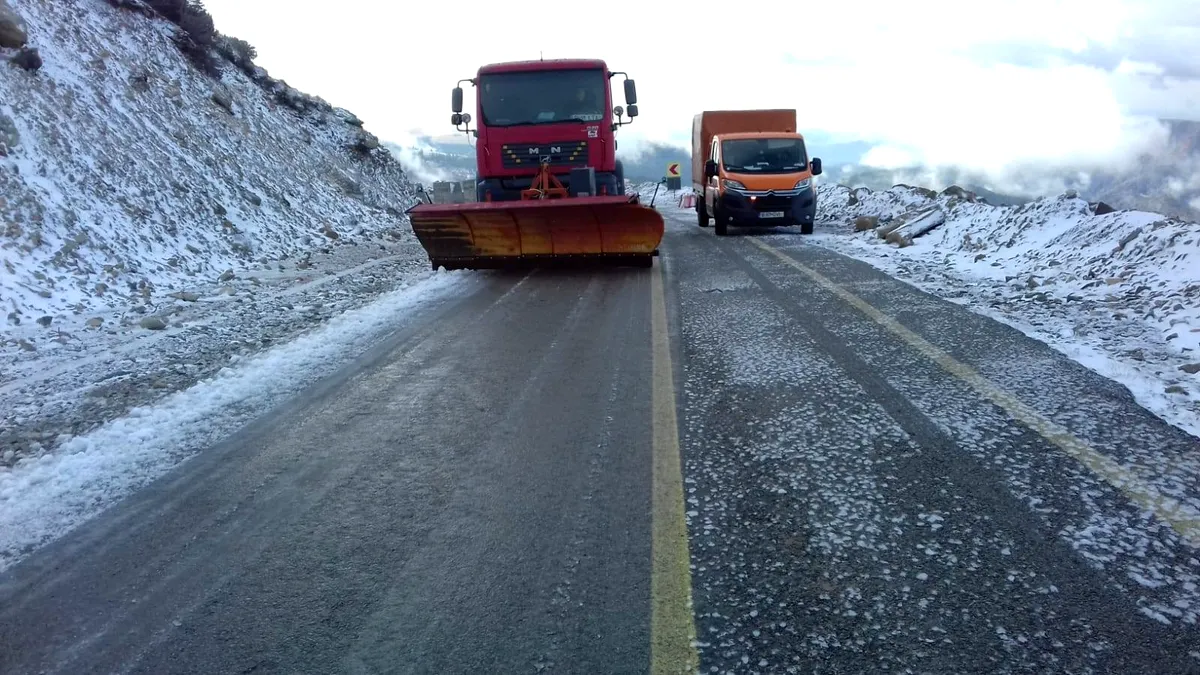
{"x": 751, "y": 168}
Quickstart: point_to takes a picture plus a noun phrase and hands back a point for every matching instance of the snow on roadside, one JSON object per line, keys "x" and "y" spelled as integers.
{"x": 664, "y": 197}
{"x": 98, "y": 376}
{"x": 1119, "y": 293}
{"x": 43, "y": 498}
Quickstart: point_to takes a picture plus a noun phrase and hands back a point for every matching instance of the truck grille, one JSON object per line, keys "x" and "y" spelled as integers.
{"x": 773, "y": 203}
{"x": 526, "y": 155}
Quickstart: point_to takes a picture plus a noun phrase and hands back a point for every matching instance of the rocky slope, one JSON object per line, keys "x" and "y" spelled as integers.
{"x": 127, "y": 175}
{"x": 165, "y": 213}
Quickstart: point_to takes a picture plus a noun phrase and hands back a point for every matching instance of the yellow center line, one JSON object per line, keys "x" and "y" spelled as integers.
{"x": 1182, "y": 519}
{"x": 672, "y": 626}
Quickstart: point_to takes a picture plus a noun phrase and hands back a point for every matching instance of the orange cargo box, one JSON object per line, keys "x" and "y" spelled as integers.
{"x": 712, "y": 122}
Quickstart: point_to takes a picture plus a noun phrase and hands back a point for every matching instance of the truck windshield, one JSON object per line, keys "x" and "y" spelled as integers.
{"x": 542, "y": 97}
{"x": 764, "y": 155}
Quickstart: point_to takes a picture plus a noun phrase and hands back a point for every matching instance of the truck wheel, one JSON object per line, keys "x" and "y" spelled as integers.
{"x": 722, "y": 222}
{"x": 701, "y": 213}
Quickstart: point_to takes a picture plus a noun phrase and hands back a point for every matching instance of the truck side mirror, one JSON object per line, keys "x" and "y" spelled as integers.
{"x": 456, "y": 119}
{"x": 816, "y": 166}
{"x": 456, "y": 100}
{"x": 633, "y": 110}
{"x": 630, "y": 94}
{"x": 618, "y": 111}
{"x": 710, "y": 168}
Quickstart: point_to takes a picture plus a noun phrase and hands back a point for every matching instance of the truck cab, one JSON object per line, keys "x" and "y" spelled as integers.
{"x": 760, "y": 179}
{"x": 557, "y": 112}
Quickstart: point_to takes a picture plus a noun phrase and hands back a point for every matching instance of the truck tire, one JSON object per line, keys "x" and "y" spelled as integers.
{"x": 619, "y": 170}
{"x": 806, "y": 228}
{"x": 701, "y": 213}
{"x": 722, "y": 222}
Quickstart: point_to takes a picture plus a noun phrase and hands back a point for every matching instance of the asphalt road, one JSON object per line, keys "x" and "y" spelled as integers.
{"x": 869, "y": 479}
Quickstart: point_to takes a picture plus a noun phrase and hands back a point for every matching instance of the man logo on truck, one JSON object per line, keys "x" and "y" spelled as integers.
{"x": 554, "y": 150}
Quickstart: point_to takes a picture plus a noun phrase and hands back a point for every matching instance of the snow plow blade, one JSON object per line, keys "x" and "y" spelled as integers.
{"x": 498, "y": 234}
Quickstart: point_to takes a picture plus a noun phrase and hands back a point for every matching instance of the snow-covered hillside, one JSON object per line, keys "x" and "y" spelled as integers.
{"x": 132, "y": 176}
{"x": 1119, "y": 292}
{"x": 158, "y": 224}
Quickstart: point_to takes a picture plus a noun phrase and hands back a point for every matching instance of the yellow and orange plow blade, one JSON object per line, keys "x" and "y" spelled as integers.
{"x": 491, "y": 234}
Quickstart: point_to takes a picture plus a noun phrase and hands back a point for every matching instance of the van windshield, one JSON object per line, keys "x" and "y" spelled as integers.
{"x": 764, "y": 155}
{"x": 542, "y": 97}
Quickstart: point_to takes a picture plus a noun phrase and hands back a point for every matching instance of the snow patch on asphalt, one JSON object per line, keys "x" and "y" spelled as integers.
{"x": 45, "y": 497}
{"x": 806, "y": 540}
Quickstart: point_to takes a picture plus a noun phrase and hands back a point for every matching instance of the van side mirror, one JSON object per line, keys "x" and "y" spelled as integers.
{"x": 456, "y": 100}
{"x": 630, "y": 94}
{"x": 710, "y": 168}
{"x": 816, "y": 166}
{"x": 633, "y": 110}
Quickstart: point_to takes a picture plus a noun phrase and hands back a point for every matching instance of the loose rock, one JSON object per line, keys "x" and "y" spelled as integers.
{"x": 152, "y": 323}
{"x": 13, "y": 34}
{"x": 864, "y": 223}
{"x": 28, "y": 58}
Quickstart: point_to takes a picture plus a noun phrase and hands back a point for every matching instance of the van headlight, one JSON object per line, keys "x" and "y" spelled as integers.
{"x": 803, "y": 184}
{"x": 734, "y": 184}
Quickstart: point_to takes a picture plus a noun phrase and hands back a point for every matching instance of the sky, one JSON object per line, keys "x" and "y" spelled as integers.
{"x": 978, "y": 85}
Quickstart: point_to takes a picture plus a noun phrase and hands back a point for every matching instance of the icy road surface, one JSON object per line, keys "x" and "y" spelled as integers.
{"x": 872, "y": 480}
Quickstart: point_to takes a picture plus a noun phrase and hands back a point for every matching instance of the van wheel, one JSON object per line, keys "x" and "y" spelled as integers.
{"x": 702, "y": 213}
{"x": 722, "y": 223}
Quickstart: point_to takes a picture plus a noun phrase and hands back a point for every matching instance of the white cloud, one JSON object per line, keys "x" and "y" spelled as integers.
{"x": 888, "y": 157}
{"x": 909, "y": 76}
{"x": 409, "y": 154}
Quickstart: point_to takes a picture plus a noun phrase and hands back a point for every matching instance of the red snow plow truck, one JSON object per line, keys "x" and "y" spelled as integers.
{"x": 548, "y": 182}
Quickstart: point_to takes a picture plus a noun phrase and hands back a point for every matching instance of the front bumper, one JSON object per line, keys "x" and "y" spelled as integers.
{"x": 781, "y": 207}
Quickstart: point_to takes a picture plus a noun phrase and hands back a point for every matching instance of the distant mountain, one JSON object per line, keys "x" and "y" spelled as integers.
{"x": 1167, "y": 181}
{"x": 647, "y": 161}
{"x": 832, "y": 152}
{"x": 431, "y": 159}
{"x": 853, "y": 175}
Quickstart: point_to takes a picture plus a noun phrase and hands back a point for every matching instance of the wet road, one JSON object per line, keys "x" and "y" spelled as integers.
{"x": 880, "y": 481}
{"x": 869, "y": 479}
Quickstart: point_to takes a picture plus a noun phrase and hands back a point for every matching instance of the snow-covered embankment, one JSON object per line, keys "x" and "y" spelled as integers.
{"x": 178, "y": 251}
{"x": 1118, "y": 292}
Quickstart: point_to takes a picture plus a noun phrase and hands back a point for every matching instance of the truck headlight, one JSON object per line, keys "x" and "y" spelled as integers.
{"x": 734, "y": 184}
{"x": 803, "y": 184}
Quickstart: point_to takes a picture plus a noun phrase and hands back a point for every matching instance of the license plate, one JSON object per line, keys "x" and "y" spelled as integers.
{"x": 771, "y": 214}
